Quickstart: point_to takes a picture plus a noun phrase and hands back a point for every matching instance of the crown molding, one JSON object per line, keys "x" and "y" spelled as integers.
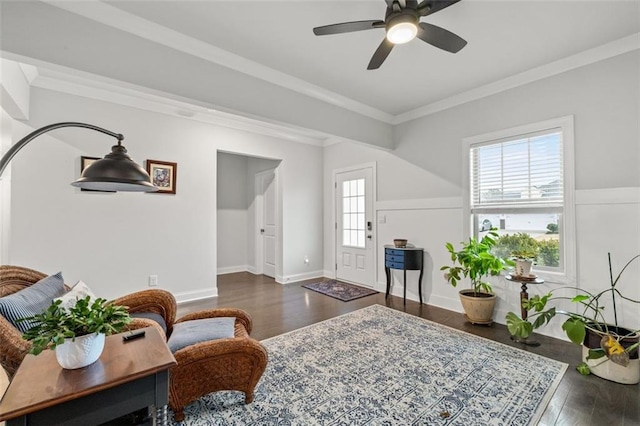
{"x": 129, "y": 95}
{"x": 590, "y": 56}
{"x": 132, "y": 24}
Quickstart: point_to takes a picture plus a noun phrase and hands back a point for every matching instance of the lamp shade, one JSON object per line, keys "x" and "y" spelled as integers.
{"x": 115, "y": 172}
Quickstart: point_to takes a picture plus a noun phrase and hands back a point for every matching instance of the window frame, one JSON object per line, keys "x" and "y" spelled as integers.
{"x": 567, "y": 240}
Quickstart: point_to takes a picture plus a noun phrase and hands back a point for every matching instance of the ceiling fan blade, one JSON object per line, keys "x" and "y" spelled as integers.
{"x": 347, "y": 27}
{"x": 440, "y": 38}
{"x": 380, "y": 55}
{"x": 427, "y": 7}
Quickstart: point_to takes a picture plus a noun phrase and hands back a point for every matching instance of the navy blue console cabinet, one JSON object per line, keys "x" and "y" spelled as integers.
{"x": 405, "y": 258}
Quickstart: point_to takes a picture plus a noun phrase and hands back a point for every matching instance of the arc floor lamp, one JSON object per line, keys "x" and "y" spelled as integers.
{"x": 115, "y": 172}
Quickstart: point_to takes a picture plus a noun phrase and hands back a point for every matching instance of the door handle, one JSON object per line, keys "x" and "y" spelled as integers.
{"x": 262, "y": 231}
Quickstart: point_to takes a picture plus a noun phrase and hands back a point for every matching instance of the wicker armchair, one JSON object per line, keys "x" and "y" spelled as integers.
{"x": 13, "y": 347}
{"x": 235, "y": 363}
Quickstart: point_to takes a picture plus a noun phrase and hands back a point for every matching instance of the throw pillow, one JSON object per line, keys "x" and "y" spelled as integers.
{"x": 31, "y": 301}
{"x": 78, "y": 291}
{"x": 191, "y": 332}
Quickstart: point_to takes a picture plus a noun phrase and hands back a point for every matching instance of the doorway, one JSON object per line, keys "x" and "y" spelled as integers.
{"x": 240, "y": 215}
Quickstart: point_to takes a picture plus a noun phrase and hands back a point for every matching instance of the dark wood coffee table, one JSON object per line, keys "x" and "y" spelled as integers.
{"x": 127, "y": 377}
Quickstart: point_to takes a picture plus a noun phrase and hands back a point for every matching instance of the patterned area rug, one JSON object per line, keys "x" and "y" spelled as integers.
{"x": 378, "y": 366}
{"x": 339, "y": 290}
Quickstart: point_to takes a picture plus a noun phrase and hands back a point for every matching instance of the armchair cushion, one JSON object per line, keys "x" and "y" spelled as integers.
{"x": 201, "y": 330}
{"x": 31, "y": 301}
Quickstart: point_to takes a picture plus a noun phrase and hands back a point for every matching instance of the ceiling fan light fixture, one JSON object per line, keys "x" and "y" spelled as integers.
{"x": 402, "y": 29}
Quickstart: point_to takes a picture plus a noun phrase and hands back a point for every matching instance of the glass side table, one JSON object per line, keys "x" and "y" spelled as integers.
{"x": 524, "y": 296}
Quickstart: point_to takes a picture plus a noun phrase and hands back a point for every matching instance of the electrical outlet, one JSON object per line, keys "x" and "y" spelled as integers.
{"x": 153, "y": 280}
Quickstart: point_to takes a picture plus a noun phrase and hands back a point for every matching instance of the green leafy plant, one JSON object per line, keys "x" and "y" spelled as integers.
{"x": 476, "y": 262}
{"x": 590, "y": 315}
{"x": 509, "y": 243}
{"x": 526, "y": 254}
{"x": 552, "y": 228}
{"x": 549, "y": 253}
{"x": 56, "y": 324}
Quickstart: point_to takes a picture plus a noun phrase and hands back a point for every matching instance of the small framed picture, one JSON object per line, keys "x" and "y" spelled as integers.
{"x": 163, "y": 175}
{"x": 84, "y": 163}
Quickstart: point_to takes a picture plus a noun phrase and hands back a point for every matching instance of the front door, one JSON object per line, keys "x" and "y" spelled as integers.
{"x": 354, "y": 226}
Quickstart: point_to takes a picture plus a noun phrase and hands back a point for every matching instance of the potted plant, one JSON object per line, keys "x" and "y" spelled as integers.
{"x": 523, "y": 261}
{"x": 608, "y": 350}
{"x": 76, "y": 334}
{"x": 475, "y": 261}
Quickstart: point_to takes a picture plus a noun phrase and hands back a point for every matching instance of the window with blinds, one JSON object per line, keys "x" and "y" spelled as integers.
{"x": 517, "y": 189}
{"x": 527, "y": 170}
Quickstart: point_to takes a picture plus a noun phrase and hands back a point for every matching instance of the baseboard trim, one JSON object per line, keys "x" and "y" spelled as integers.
{"x": 194, "y": 295}
{"x": 233, "y": 269}
{"x": 290, "y": 279}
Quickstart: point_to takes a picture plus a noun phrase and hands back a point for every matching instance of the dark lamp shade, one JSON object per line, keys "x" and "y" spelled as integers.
{"x": 115, "y": 172}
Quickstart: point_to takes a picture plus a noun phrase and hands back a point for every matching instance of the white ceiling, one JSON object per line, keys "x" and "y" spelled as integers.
{"x": 242, "y": 58}
{"x": 504, "y": 38}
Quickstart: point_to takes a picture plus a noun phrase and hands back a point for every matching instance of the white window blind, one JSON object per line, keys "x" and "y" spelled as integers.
{"x": 527, "y": 170}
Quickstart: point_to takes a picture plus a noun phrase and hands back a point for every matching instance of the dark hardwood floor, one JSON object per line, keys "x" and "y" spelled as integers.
{"x": 276, "y": 309}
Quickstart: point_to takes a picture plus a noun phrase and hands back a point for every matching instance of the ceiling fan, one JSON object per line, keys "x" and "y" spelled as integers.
{"x": 402, "y": 24}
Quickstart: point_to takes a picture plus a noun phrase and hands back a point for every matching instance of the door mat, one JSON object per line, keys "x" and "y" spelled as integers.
{"x": 339, "y": 290}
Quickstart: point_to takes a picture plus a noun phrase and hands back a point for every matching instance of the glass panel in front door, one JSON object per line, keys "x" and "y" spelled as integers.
{"x": 353, "y": 211}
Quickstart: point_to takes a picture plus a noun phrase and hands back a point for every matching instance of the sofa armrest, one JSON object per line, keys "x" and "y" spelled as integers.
{"x": 153, "y": 300}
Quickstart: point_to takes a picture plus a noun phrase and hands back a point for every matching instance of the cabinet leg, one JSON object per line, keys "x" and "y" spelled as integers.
{"x": 388, "y": 273}
{"x": 404, "y": 271}
{"x": 420, "y": 283}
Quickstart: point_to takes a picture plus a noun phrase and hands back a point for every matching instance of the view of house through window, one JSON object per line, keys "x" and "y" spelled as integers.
{"x": 516, "y": 188}
{"x": 353, "y": 211}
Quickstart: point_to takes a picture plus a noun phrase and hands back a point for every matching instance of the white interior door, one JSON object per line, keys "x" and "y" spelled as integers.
{"x": 268, "y": 223}
{"x": 354, "y": 226}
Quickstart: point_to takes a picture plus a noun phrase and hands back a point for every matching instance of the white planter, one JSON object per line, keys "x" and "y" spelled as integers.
{"x": 629, "y": 375}
{"x": 523, "y": 268}
{"x": 605, "y": 368}
{"x": 82, "y": 351}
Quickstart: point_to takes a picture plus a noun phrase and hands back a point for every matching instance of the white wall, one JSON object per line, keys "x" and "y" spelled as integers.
{"x": 5, "y": 187}
{"x": 419, "y": 184}
{"x": 115, "y": 241}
